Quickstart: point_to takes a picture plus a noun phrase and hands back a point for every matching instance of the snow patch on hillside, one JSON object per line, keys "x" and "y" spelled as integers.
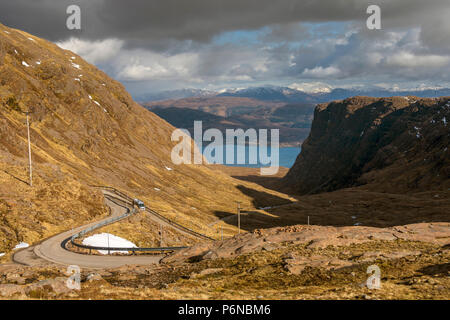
{"x": 21, "y": 245}
{"x": 101, "y": 240}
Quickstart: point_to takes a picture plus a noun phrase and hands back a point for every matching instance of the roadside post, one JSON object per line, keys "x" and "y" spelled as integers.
{"x": 29, "y": 151}
{"x": 239, "y": 216}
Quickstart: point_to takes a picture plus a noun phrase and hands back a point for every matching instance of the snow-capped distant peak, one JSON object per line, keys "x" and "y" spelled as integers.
{"x": 230, "y": 90}
{"x": 311, "y": 87}
{"x": 311, "y": 92}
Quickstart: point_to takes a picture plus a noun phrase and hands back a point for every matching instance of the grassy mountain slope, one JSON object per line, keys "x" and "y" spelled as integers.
{"x": 86, "y": 130}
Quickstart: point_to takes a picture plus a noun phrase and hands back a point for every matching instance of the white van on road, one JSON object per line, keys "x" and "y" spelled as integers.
{"x": 140, "y": 204}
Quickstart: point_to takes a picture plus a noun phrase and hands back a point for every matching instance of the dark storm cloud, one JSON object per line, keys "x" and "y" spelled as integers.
{"x": 44, "y": 18}
{"x": 155, "y": 23}
{"x": 161, "y": 44}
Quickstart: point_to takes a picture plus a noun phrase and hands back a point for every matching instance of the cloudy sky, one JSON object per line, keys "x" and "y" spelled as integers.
{"x": 155, "y": 45}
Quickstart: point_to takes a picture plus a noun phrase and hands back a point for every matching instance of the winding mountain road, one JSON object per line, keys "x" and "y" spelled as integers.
{"x": 52, "y": 250}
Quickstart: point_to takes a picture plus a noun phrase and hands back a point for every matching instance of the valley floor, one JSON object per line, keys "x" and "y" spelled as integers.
{"x": 344, "y": 207}
{"x": 279, "y": 264}
{"x": 407, "y": 236}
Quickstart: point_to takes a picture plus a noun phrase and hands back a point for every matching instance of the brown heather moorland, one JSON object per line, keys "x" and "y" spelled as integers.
{"x": 374, "y": 188}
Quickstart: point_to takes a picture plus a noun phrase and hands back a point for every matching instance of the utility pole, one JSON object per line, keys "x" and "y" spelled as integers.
{"x": 239, "y": 216}
{"x": 161, "y": 234}
{"x": 29, "y": 152}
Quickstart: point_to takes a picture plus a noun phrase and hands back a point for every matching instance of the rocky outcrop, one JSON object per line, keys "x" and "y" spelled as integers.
{"x": 295, "y": 263}
{"x": 393, "y": 144}
{"x": 314, "y": 237}
{"x": 48, "y": 286}
{"x": 8, "y": 290}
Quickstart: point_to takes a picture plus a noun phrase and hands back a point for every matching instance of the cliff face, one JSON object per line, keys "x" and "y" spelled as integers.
{"x": 397, "y": 144}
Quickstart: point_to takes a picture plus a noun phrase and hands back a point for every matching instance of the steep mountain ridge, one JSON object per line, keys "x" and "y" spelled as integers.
{"x": 397, "y": 145}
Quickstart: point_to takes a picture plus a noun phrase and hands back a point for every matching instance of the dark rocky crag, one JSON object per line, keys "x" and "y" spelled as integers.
{"x": 397, "y": 144}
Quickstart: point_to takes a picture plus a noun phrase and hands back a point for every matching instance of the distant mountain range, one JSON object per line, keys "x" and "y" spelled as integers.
{"x": 283, "y": 108}
{"x": 287, "y": 109}
{"x": 175, "y": 94}
{"x": 286, "y": 94}
{"x": 227, "y": 112}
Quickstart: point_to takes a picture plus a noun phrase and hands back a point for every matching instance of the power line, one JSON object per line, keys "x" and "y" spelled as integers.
{"x": 29, "y": 151}
{"x": 239, "y": 216}
{"x": 108, "y": 243}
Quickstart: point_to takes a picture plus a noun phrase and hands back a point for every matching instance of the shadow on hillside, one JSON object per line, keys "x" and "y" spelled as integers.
{"x": 251, "y": 219}
{"x": 442, "y": 269}
{"x": 261, "y": 198}
{"x": 268, "y": 182}
{"x": 346, "y": 207}
{"x": 222, "y": 214}
{"x": 272, "y": 182}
